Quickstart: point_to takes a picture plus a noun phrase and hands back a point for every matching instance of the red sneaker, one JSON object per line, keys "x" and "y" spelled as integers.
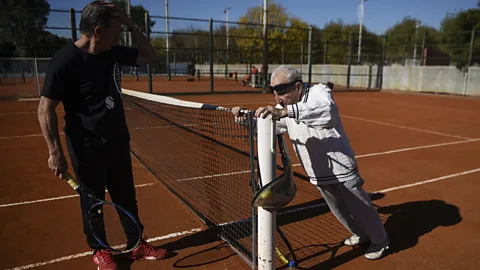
{"x": 104, "y": 260}
{"x": 145, "y": 251}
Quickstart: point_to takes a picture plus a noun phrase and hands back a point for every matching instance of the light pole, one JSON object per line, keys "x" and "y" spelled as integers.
{"x": 265, "y": 44}
{"x": 129, "y": 41}
{"x": 360, "y": 17}
{"x": 417, "y": 25}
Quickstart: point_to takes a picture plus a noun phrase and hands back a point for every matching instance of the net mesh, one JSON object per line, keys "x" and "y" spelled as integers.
{"x": 202, "y": 156}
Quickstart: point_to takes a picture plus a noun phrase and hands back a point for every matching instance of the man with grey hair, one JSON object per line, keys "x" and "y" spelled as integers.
{"x": 310, "y": 116}
{"x": 85, "y": 76}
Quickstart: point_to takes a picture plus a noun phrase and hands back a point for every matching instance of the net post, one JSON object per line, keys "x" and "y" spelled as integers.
{"x": 266, "y": 219}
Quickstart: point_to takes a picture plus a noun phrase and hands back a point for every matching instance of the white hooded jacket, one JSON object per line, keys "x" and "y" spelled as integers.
{"x": 319, "y": 140}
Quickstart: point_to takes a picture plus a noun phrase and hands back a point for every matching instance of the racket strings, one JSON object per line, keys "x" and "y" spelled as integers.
{"x": 113, "y": 227}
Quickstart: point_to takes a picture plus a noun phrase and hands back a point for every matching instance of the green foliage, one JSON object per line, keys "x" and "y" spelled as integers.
{"x": 22, "y": 24}
{"x": 404, "y": 36}
{"x": 22, "y": 29}
{"x": 284, "y": 38}
{"x": 456, "y": 29}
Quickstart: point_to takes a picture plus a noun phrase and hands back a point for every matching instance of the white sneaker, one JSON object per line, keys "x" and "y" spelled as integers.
{"x": 354, "y": 240}
{"x": 375, "y": 252}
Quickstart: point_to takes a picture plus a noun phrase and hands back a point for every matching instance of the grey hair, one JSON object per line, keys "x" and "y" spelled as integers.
{"x": 95, "y": 14}
{"x": 286, "y": 73}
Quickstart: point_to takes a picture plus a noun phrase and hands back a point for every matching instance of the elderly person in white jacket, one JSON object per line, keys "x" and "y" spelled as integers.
{"x": 311, "y": 118}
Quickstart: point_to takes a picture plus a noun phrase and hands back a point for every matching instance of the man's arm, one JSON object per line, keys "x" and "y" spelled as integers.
{"x": 319, "y": 111}
{"x": 47, "y": 118}
{"x": 146, "y": 52}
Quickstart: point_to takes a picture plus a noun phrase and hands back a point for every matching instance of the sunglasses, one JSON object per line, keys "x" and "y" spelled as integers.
{"x": 283, "y": 88}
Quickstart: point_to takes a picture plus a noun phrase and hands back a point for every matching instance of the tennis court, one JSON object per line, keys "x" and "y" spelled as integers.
{"x": 419, "y": 156}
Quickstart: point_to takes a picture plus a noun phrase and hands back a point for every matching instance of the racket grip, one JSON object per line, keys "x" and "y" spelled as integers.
{"x": 70, "y": 180}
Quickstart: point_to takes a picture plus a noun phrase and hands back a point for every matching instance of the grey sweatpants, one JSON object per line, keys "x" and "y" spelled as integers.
{"x": 352, "y": 206}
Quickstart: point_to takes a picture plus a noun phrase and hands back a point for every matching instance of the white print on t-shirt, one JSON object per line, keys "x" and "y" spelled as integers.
{"x": 117, "y": 79}
{"x": 109, "y": 102}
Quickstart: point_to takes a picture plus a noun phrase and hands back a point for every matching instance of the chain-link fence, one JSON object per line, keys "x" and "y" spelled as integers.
{"x": 205, "y": 55}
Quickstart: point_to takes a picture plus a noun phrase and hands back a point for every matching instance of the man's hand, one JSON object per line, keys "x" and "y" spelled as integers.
{"x": 277, "y": 114}
{"x": 127, "y": 21}
{"x": 58, "y": 164}
{"x": 239, "y": 116}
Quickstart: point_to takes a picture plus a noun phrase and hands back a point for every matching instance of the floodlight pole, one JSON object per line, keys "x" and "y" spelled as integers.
{"x": 265, "y": 44}
{"x": 417, "y": 25}
{"x": 360, "y": 15}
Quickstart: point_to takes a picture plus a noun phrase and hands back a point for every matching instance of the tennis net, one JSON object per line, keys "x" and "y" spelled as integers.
{"x": 203, "y": 157}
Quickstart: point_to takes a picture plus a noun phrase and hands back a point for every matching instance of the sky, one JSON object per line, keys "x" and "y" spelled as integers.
{"x": 379, "y": 15}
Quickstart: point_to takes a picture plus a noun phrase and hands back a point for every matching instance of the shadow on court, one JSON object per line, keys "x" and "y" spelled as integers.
{"x": 322, "y": 235}
{"x": 405, "y": 224}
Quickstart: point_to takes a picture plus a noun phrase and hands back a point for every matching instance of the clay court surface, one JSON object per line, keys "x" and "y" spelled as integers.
{"x": 14, "y": 87}
{"x": 419, "y": 153}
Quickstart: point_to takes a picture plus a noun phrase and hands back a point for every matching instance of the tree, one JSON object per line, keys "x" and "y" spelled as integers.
{"x": 456, "y": 36}
{"x": 22, "y": 24}
{"x": 138, "y": 16}
{"x": 336, "y": 35}
{"x": 285, "y": 35}
{"x": 404, "y": 36}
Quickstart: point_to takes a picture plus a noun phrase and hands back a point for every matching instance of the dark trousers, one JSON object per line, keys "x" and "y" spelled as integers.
{"x": 100, "y": 167}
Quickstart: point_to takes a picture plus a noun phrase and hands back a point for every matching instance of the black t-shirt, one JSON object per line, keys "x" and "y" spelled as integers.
{"x": 89, "y": 86}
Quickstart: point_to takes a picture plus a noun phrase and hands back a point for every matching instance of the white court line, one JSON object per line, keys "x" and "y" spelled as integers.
{"x": 247, "y": 171}
{"x": 417, "y": 147}
{"x": 405, "y": 127}
{"x": 408, "y": 105}
{"x": 428, "y": 181}
{"x": 172, "y": 235}
{"x": 134, "y": 128}
{"x": 409, "y": 149}
{"x": 84, "y": 254}
{"x": 391, "y": 189}
{"x": 60, "y": 198}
